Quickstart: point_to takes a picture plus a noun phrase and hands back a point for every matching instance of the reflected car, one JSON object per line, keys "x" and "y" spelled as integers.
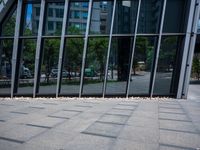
{"x": 54, "y": 73}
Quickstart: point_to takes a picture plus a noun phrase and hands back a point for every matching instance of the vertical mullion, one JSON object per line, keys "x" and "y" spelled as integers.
{"x": 133, "y": 48}
{"x": 16, "y": 44}
{"x": 186, "y": 49}
{"x": 62, "y": 43}
{"x": 190, "y": 55}
{"x": 158, "y": 48}
{"x": 109, "y": 47}
{"x": 38, "y": 46}
{"x": 85, "y": 46}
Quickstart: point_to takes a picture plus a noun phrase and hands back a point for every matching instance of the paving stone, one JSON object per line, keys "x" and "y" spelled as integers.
{"x": 120, "y": 112}
{"x": 132, "y": 145}
{"x": 173, "y": 116}
{"x": 143, "y": 122}
{"x": 114, "y": 119}
{"x": 6, "y": 145}
{"x": 22, "y": 134}
{"x": 125, "y": 107}
{"x": 169, "y": 106}
{"x": 64, "y": 114}
{"x": 177, "y": 125}
{"x": 173, "y": 147}
{"x": 180, "y": 139}
{"x": 47, "y": 122}
{"x": 139, "y": 134}
{"x": 104, "y": 129}
{"x": 89, "y": 142}
{"x": 53, "y": 139}
{"x": 171, "y": 110}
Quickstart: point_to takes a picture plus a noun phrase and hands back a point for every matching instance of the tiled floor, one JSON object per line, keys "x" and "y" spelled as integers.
{"x": 88, "y": 124}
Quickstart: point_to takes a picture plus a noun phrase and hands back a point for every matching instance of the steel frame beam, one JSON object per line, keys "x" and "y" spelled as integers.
{"x": 85, "y": 46}
{"x": 184, "y": 66}
{"x": 62, "y": 46}
{"x": 133, "y": 49}
{"x": 16, "y": 45}
{"x": 38, "y": 47}
{"x": 109, "y": 48}
{"x": 158, "y": 49}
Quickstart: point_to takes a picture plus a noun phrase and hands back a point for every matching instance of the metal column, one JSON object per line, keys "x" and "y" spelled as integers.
{"x": 109, "y": 47}
{"x": 16, "y": 44}
{"x": 62, "y": 44}
{"x": 133, "y": 48}
{"x": 191, "y": 50}
{"x": 38, "y": 47}
{"x": 186, "y": 49}
{"x": 85, "y": 46}
{"x": 158, "y": 48}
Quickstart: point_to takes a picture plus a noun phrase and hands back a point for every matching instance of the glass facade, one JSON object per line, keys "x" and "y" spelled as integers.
{"x": 105, "y": 48}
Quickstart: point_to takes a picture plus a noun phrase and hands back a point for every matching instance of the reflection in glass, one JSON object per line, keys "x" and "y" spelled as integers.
{"x": 54, "y": 19}
{"x": 101, "y": 17}
{"x": 27, "y": 66}
{"x": 77, "y": 18}
{"x": 119, "y": 65}
{"x": 71, "y": 70}
{"x": 31, "y": 19}
{"x": 49, "y": 66}
{"x": 6, "y": 47}
{"x": 150, "y": 15}
{"x": 95, "y": 66}
{"x": 142, "y": 65}
{"x": 8, "y": 26}
{"x": 174, "y": 16}
{"x": 125, "y": 16}
{"x": 167, "y": 65}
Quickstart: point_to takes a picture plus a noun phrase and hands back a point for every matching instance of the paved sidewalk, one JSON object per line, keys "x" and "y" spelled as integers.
{"x": 89, "y": 124}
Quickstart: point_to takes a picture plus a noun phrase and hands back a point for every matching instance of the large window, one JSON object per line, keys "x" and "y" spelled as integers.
{"x": 95, "y": 66}
{"x": 26, "y": 66}
{"x": 52, "y": 19}
{"x": 142, "y": 65}
{"x": 49, "y": 66}
{"x": 6, "y": 47}
{"x": 125, "y": 16}
{"x": 118, "y": 69}
{"x": 76, "y": 24}
{"x": 30, "y": 16}
{"x": 170, "y": 51}
{"x": 71, "y": 70}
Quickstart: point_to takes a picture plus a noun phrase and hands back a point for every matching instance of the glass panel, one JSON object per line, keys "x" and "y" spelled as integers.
{"x": 174, "y": 16}
{"x": 72, "y": 66}
{"x": 150, "y": 15}
{"x": 77, "y": 18}
{"x": 27, "y": 66}
{"x": 142, "y": 65}
{"x": 119, "y": 65}
{"x": 167, "y": 65}
{"x": 54, "y": 18}
{"x": 101, "y": 17}
{"x": 6, "y": 48}
{"x": 125, "y": 16}
{"x": 31, "y": 19}
{"x": 95, "y": 66}
{"x": 195, "y": 75}
{"x": 49, "y": 66}
{"x": 8, "y": 26}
